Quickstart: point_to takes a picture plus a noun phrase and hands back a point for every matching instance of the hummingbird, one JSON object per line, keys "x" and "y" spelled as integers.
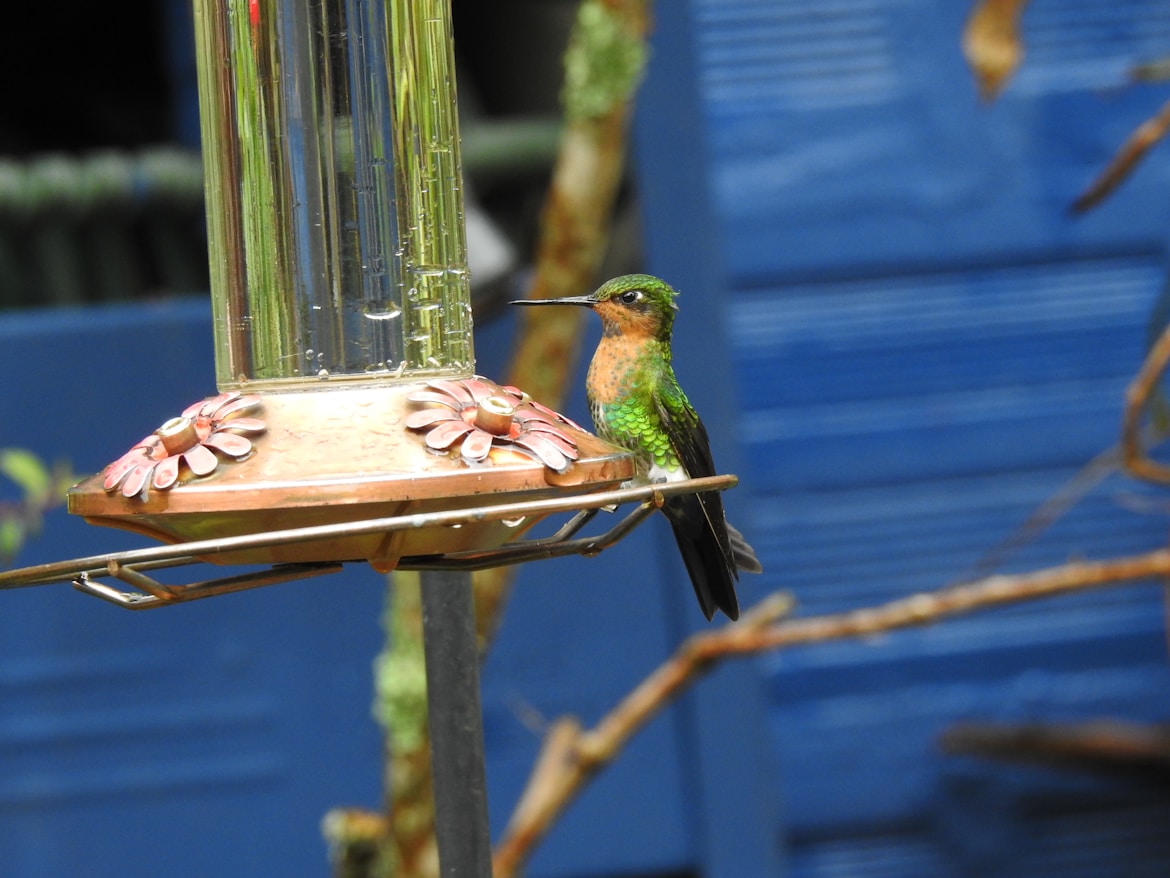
{"x": 637, "y": 404}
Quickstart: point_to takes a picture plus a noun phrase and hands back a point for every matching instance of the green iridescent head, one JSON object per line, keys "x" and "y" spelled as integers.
{"x": 638, "y": 305}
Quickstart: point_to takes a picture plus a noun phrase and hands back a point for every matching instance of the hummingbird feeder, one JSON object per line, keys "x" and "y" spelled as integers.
{"x": 348, "y": 423}
{"x": 342, "y": 313}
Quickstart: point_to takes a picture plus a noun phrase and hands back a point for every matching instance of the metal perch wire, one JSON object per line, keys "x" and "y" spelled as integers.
{"x": 131, "y": 567}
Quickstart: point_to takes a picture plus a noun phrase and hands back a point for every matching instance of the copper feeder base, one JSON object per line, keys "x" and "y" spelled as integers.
{"x": 342, "y": 454}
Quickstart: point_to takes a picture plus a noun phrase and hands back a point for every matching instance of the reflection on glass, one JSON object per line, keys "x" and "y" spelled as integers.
{"x": 335, "y": 213}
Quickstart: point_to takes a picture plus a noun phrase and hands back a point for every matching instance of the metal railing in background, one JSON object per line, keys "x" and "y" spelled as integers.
{"x": 101, "y": 227}
{"x": 117, "y": 225}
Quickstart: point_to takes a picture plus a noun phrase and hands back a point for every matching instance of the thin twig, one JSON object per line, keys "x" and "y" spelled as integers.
{"x": 1097, "y": 745}
{"x": 571, "y": 755}
{"x": 1144, "y": 138}
{"x": 1068, "y": 495}
{"x": 1137, "y": 398}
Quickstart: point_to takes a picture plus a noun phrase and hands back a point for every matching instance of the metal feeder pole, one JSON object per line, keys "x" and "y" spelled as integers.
{"x": 456, "y": 725}
{"x": 339, "y": 258}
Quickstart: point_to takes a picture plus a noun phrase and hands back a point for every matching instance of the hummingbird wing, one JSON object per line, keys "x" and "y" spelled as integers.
{"x": 698, "y": 520}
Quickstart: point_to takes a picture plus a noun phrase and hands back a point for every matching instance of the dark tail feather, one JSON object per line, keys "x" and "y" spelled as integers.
{"x": 709, "y": 575}
{"x": 706, "y": 550}
{"x": 745, "y": 555}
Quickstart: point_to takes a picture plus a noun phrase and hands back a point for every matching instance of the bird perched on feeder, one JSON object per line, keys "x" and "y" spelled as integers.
{"x": 636, "y": 403}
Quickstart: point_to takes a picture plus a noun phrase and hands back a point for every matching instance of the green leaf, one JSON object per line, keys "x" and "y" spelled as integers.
{"x": 26, "y": 469}
{"x": 12, "y": 534}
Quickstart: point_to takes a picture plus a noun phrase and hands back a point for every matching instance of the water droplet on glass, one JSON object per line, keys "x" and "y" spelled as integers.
{"x": 383, "y": 315}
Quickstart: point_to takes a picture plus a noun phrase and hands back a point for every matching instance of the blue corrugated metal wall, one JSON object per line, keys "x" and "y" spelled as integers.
{"x": 922, "y": 345}
{"x": 208, "y": 741}
{"x": 925, "y": 345}
{"x": 212, "y": 738}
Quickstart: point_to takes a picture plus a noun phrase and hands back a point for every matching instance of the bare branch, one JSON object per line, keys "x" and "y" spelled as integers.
{"x": 1101, "y": 745}
{"x": 1137, "y": 398}
{"x": 572, "y": 755}
{"x": 1125, "y": 160}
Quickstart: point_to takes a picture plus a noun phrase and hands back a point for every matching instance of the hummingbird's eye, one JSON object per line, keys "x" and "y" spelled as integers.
{"x": 629, "y": 297}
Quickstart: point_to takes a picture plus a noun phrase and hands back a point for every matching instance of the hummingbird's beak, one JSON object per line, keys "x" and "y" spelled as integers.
{"x": 587, "y": 301}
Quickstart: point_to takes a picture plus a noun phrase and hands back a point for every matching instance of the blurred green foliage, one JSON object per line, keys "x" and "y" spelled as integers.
{"x": 604, "y": 62}
{"x": 39, "y": 488}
